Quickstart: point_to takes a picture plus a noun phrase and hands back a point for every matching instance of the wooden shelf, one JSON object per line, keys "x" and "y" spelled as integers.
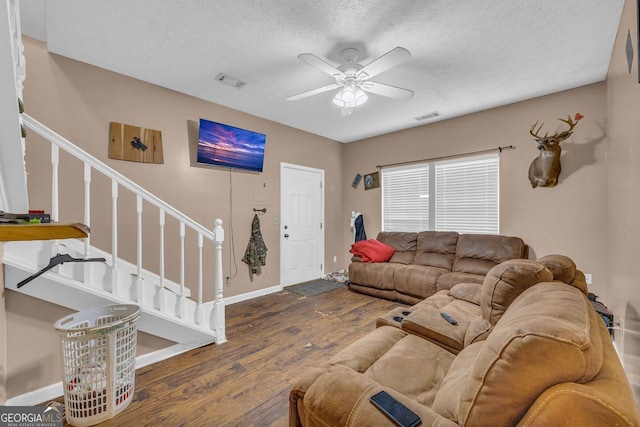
{"x": 48, "y": 231}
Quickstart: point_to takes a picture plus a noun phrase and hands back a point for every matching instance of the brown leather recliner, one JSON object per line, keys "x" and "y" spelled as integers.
{"x": 547, "y": 360}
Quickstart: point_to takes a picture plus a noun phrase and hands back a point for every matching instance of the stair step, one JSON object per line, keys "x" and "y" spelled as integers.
{"x": 164, "y": 313}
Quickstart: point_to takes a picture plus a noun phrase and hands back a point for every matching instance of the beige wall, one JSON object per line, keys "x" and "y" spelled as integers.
{"x": 623, "y": 190}
{"x": 567, "y": 219}
{"x": 78, "y": 101}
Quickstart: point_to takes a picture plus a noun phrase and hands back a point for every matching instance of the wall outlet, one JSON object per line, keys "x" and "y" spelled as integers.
{"x": 227, "y": 280}
{"x": 335, "y": 258}
{"x": 588, "y": 278}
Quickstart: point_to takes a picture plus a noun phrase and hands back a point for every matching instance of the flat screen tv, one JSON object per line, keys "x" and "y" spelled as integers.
{"x": 230, "y": 147}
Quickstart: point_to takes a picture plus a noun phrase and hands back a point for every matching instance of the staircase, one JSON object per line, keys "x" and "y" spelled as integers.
{"x": 169, "y": 310}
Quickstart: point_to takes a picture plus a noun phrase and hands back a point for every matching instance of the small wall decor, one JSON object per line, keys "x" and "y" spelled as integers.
{"x": 356, "y": 180}
{"x": 371, "y": 180}
{"x": 545, "y": 169}
{"x": 629, "y": 51}
{"x": 638, "y": 37}
{"x": 135, "y": 144}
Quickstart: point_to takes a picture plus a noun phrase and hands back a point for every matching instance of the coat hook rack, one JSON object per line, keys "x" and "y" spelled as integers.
{"x": 263, "y": 210}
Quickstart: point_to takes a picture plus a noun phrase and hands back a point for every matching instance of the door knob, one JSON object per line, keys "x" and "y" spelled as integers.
{"x": 286, "y": 236}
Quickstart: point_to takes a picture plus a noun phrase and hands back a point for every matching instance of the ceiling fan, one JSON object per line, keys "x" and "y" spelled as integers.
{"x": 353, "y": 78}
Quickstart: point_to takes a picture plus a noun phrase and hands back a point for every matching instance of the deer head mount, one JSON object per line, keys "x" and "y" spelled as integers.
{"x": 545, "y": 169}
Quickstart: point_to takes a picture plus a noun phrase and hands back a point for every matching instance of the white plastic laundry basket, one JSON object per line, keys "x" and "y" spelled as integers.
{"x": 98, "y": 352}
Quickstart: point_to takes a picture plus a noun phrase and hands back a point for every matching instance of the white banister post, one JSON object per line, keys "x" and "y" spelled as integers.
{"x": 182, "y": 313}
{"x": 219, "y": 315}
{"x": 139, "y": 248}
{"x": 87, "y": 220}
{"x": 161, "y": 290}
{"x": 114, "y": 237}
{"x": 199, "y": 313}
{"x": 55, "y": 162}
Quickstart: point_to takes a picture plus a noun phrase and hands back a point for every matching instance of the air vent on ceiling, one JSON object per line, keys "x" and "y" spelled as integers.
{"x": 231, "y": 81}
{"x": 427, "y": 116}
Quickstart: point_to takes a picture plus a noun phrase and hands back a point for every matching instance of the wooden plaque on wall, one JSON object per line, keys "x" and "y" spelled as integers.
{"x": 135, "y": 144}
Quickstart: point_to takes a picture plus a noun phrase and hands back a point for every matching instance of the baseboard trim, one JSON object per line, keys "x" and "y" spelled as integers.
{"x": 254, "y": 294}
{"x": 54, "y": 391}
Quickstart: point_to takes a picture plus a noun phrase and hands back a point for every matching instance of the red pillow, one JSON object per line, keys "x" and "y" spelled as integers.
{"x": 372, "y": 250}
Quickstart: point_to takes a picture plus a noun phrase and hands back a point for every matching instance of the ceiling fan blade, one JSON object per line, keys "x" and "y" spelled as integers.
{"x": 321, "y": 65}
{"x": 313, "y": 92}
{"x": 386, "y": 61}
{"x": 387, "y": 90}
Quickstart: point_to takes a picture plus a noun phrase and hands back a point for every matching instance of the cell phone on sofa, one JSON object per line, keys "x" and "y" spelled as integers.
{"x": 396, "y": 411}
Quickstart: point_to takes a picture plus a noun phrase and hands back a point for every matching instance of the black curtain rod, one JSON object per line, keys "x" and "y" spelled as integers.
{"x": 499, "y": 149}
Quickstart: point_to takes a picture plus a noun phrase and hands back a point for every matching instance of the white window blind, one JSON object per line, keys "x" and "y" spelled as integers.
{"x": 467, "y": 195}
{"x": 405, "y": 198}
{"x": 460, "y": 195}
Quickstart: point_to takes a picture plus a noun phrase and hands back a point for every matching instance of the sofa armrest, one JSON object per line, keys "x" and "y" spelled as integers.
{"x": 297, "y": 393}
{"x": 428, "y": 323}
{"x": 340, "y": 397}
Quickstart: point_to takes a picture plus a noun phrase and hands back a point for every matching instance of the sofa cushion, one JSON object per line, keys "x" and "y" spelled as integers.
{"x": 373, "y": 275}
{"x": 448, "y": 280}
{"x": 417, "y": 280}
{"x": 505, "y": 282}
{"x": 404, "y": 244}
{"x": 436, "y": 249}
{"x": 447, "y": 400}
{"x": 360, "y": 355}
{"x": 413, "y": 367}
{"x": 563, "y": 268}
{"x": 478, "y": 253}
{"x": 549, "y": 335}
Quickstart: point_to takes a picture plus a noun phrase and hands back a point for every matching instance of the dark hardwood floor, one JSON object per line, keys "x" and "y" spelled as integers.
{"x": 246, "y": 381}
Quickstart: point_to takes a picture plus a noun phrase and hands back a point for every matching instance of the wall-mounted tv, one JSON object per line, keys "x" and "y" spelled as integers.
{"x": 230, "y": 147}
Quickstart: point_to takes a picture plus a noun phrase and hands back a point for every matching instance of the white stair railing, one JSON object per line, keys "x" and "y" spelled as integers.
{"x": 217, "y": 321}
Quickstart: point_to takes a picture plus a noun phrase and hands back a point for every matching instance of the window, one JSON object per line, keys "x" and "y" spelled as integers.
{"x": 460, "y": 195}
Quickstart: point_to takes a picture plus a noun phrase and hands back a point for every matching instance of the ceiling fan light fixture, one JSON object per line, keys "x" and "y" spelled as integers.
{"x": 350, "y": 96}
{"x": 361, "y": 97}
{"x": 348, "y": 93}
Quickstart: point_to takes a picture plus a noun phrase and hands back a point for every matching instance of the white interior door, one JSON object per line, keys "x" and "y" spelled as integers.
{"x": 302, "y": 224}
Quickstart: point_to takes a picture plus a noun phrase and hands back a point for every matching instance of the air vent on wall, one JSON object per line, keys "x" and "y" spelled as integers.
{"x": 427, "y": 116}
{"x": 231, "y": 81}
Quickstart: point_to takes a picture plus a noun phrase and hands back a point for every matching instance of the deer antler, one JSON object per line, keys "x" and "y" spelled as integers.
{"x": 535, "y": 135}
{"x": 557, "y": 137}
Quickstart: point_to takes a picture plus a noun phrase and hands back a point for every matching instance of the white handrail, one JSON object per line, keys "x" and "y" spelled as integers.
{"x": 101, "y": 167}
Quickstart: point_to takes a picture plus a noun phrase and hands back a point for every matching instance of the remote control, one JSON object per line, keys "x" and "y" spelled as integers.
{"x": 448, "y": 318}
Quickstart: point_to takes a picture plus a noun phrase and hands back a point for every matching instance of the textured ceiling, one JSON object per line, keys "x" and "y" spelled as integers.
{"x": 466, "y": 55}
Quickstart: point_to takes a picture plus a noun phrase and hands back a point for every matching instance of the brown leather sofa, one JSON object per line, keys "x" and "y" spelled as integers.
{"x": 533, "y": 353}
{"x": 427, "y": 262}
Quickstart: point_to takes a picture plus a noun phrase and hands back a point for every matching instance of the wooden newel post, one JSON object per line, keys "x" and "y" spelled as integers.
{"x": 218, "y": 313}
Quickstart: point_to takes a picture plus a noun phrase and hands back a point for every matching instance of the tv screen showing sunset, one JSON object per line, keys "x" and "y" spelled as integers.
{"x": 227, "y": 146}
